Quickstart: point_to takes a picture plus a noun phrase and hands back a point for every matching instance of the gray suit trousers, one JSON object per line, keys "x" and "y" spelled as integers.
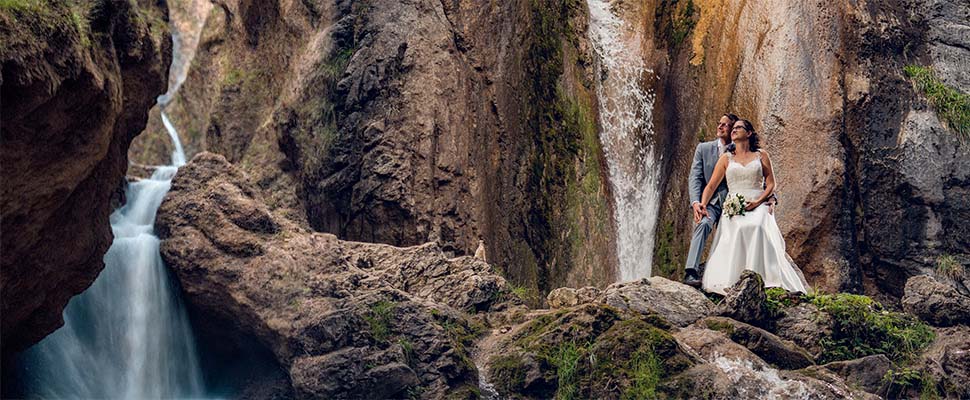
{"x": 701, "y": 231}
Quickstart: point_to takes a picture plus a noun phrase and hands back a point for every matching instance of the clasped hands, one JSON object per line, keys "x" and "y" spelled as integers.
{"x": 700, "y": 211}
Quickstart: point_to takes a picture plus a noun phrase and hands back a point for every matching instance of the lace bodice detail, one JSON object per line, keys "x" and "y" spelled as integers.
{"x": 745, "y": 178}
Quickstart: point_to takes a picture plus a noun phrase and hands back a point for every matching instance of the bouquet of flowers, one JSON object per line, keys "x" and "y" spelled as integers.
{"x": 734, "y": 205}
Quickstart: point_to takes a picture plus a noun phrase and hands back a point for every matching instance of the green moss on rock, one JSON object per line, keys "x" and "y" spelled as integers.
{"x": 594, "y": 351}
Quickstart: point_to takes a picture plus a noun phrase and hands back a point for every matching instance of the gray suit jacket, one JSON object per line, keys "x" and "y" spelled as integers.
{"x": 705, "y": 158}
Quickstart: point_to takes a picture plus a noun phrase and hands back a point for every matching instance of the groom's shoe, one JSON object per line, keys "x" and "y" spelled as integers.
{"x": 691, "y": 278}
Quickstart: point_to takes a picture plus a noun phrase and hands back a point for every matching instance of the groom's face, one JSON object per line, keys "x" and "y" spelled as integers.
{"x": 723, "y": 127}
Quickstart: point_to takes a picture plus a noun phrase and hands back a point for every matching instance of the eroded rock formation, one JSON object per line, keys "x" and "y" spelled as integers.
{"x": 78, "y": 80}
{"x": 338, "y": 319}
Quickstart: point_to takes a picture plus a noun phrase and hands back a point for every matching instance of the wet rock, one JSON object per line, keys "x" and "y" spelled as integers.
{"x": 936, "y": 302}
{"x": 77, "y": 84}
{"x": 804, "y": 325}
{"x": 341, "y": 319}
{"x": 867, "y": 372}
{"x": 678, "y": 303}
{"x": 569, "y": 297}
{"x": 778, "y": 352}
{"x": 731, "y": 371}
{"x": 745, "y": 301}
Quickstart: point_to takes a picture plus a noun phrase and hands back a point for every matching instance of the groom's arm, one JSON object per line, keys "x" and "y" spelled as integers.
{"x": 695, "y": 182}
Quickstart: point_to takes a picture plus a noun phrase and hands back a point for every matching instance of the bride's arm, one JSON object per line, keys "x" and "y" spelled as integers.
{"x": 716, "y": 176}
{"x": 769, "y": 181}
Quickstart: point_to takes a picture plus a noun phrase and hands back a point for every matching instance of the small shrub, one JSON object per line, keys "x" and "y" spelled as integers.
{"x": 905, "y": 382}
{"x": 379, "y": 319}
{"x": 409, "y": 356}
{"x": 778, "y": 298}
{"x": 863, "y": 327}
{"x": 952, "y": 106}
{"x": 20, "y": 5}
{"x": 948, "y": 266}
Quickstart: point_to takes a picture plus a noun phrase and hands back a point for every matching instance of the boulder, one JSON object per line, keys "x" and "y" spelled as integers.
{"x": 947, "y": 361}
{"x": 340, "y": 319}
{"x": 779, "y": 352}
{"x": 569, "y": 297}
{"x": 589, "y": 351}
{"x": 936, "y": 302}
{"x": 804, "y": 325}
{"x": 678, "y": 303}
{"x": 745, "y": 301}
{"x": 867, "y": 372}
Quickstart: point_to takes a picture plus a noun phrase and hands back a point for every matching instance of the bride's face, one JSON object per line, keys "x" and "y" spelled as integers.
{"x": 739, "y": 132}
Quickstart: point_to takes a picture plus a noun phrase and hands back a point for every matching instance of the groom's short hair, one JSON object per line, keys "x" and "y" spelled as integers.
{"x": 733, "y": 118}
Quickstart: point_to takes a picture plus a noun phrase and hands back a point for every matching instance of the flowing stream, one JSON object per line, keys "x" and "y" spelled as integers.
{"x": 626, "y": 122}
{"x": 127, "y": 336}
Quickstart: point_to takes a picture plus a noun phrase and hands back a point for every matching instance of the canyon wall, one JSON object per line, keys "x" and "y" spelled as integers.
{"x": 77, "y": 81}
{"x": 403, "y": 122}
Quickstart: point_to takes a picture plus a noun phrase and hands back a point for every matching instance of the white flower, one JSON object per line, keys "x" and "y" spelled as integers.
{"x": 734, "y": 205}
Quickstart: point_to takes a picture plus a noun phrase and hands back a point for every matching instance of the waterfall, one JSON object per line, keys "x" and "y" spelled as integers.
{"x": 627, "y": 136}
{"x": 127, "y": 336}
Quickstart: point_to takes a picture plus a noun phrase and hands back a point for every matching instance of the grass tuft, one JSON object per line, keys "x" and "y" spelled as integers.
{"x": 948, "y": 266}
{"x": 379, "y": 319}
{"x": 952, "y": 106}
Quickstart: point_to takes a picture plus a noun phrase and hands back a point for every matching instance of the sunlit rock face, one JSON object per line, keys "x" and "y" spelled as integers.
{"x": 872, "y": 186}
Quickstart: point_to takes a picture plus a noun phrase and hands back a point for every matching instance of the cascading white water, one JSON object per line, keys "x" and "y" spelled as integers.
{"x": 127, "y": 336}
{"x": 627, "y": 136}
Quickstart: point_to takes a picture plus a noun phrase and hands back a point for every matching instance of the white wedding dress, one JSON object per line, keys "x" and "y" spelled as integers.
{"x": 751, "y": 241}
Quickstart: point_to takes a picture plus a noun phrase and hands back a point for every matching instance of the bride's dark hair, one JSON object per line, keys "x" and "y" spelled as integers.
{"x": 754, "y": 142}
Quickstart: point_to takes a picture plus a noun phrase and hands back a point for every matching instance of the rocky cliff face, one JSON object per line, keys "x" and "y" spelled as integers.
{"x": 407, "y": 122}
{"x": 872, "y": 186}
{"x": 332, "y": 319}
{"x": 77, "y": 81}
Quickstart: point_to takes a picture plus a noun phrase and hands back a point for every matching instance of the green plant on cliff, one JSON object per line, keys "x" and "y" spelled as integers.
{"x": 952, "y": 106}
{"x": 674, "y": 20}
{"x": 379, "y": 319}
{"x": 947, "y": 265}
{"x": 778, "y": 298}
{"x": 21, "y": 5}
{"x": 863, "y": 327}
{"x": 906, "y": 382}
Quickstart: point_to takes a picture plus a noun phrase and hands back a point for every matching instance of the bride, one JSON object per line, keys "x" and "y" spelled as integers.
{"x": 751, "y": 241}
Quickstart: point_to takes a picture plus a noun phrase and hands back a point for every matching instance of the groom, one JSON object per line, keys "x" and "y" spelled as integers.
{"x": 705, "y": 157}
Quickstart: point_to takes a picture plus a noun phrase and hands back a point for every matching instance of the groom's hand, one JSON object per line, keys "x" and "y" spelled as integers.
{"x": 698, "y": 212}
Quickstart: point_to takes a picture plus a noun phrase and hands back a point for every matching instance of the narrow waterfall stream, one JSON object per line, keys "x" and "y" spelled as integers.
{"x": 127, "y": 336}
{"x": 626, "y": 109}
